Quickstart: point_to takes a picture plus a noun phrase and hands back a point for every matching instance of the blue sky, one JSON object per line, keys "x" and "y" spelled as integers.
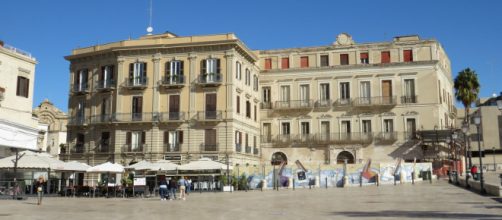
{"x": 470, "y": 31}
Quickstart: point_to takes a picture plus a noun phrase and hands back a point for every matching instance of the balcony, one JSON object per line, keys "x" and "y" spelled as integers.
{"x": 344, "y": 138}
{"x": 81, "y": 88}
{"x": 136, "y": 83}
{"x": 136, "y": 117}
{"x": 256, "y": 151}
{"x": 133, "y": 148}
{"x": 385, "y": 138}
{"x": 248, "y": 149}
{"x": 105, "y": 85}
{"x": 78, "y": 148}
{"x": 374, "y": 101}
{"x": 103, "y": 148}
{"x": 209, "y": 147}
{"x": 172, "y": 148}
{"x": 266, "y": 105}
{"x": 209, "y": 79}
{"x": 172, "y": 116}
{"x": 78, "y": 121}
{"x": 323, "y": 104}
{"x": 106, "y": 118}
{"x": 238, "y": 147}
{"x": 409, "y": 99}
{"x": 293, "y": 104}
{"x": 209, "y": 115}
{"x": 266, "y": 138}
{"x": 343, "y": 103}
{"x": 172, "y": 81}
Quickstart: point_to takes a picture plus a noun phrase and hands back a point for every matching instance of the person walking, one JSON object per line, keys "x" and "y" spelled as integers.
{"x": 40, "y": 189}
{"x": 189, "y": 185}
{"x": 182, "y": 186}
{"x": 172, "y": 188}
{"x": 163, "y": 188}
{"x": 474, "y": 172}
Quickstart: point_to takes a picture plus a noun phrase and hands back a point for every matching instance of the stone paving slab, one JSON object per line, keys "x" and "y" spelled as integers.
{"x": 420, "y": 201}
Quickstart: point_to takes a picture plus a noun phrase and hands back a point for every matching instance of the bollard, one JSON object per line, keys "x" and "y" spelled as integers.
{"x": 293, "y": 184}
{"x": 430, "y": 176}
{"x": 361, "y": 179}
{"x": 394, "y": 179}
{"x": 413, "y": 177}
{"x": 326, "y": 182}
{"x": 277, "y": 186}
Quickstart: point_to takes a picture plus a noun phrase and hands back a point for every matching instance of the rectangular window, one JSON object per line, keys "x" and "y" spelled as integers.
{"x": 211, "y": 106}
{"x": 408, "y": 55}
{"x": 267, "y": 132}
{"x": 246, "y": 140}
{"x": 439, "y": 87}
{"x": 364, "y": 58}
{"x": 137, "y": 108}
{"x": 137, "y": 73}
{"x": 305, "y": 128}
{"x": 81, "y": 111}
{"x": 304, "y": 62}
{"x": 104, "y": 144}
{"x": 304, "y": 94}
{"x": 248, "y": 77}
{"x": 106, "y": 76}
{"x": 266, "y": 94}
{"x": 255, "y": 83}
{"x": 285, "y": 93}
{"x": 365, "y": 92}
{"x": 388, "y": 125}
{"x": 366, "y": 126}
{"x": 325, "y": 130}
{"x": 238, "y": 102}
{"x": 411, "y": 126}
{"x": 409, "y": 91}
{"x": 285, "y": 63}
{"x": 345, "y": 91}
{"x": 135, "y": 140}
{"x": 238, "y": 70}
{"x": 268, "y": 64}
{"x": 344, "y": 59}
{"x": 80, "y": 145}
{"x": 174, "y": 107}
{"x": 23, "y": 86}
{"x": 324, "y": 60}
{"x": 255, "y": 118}
{"x": 210, "y": 140}
{"x": 285, "y": 128}
{"x": 173, "y": 140}
{"x": 324, "y": 93}
{"x": 248, "y": 109}
{"x": 174, "y": 68}
{"x": 345, "y": 127}
{"x": 385, "y": 57}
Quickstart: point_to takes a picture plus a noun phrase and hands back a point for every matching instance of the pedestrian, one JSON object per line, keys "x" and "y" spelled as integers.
{"x": 40, "y": 189}
{"x": 189, "y": 185}
{"x": 172, "y": 188}
{"x": 474, "y": 172}
{"x": 182, "y": 186}
{"x": 163, "y": 188}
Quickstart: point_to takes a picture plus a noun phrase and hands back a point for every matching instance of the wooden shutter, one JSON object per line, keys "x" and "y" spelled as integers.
{"x": 386, "y": 88}
{"x": 285, "y": 63}
{"x": 385, "y": 57}
{"x": 168, "y": 68}
{"x": 203, "y": 67}
{"x": 240, "y": 138}
{"x": 238, "y": 104}
{"x": 112, "y": 72}
{"x": 128, "y": 137}
{"x": 27, "y": 86}
{"x": 182, "y": 66}
{"x": 324, "y": 60}
{"x": 137, "y": 104}
{"x": 344, "y": 59}
{"x": 304, "y": 62}
{"x": 210, "y": 137}
{"x": 131, "y": 70}
{"x": 180, "y": 137}
{"x": 166, "y": 137}
{"x": 18, "y": 88}
{"x": 174, "y": 103}
{"x": 268, "y": 64}
{"x": 210, "y": 102}
{"x": 143, "y": 137}
{"x": 218, "y": 66}
{"x": 254, "y": 112}
{"x": 102, "y": 74}
{"x": 143, "y": 74}
{"x": 408, "y": 55}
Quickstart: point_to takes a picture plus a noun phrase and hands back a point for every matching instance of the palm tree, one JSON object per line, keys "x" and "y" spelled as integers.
{"x": 466, "y": 91}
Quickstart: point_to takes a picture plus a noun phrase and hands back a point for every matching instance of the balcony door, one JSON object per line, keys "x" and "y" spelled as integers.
{"x": 105, "y": 109}
{"x": 211, "y": 106}
{"x": 174, "y": 107}
{"x": 305, "y": 130}
{"x": 325, "y": 130}
{"x": 137, "y": 108}
{"x": 411, "y": 127}
{"x": 135, "y": 140}
{"x": 106, "y": 76}
{"x": 344, "y": 93}
{"x": 81, "y": 112}
{"x": 304, "y": 95}
{"x": 137, "y": 73}
{"x": 324, "y": 94}
{"x": 81, "y": 80}
{"x": 409, "y": 91}
{"x": 210, "y": 140}
{"x": 365, "y": 93}
{"x": 285, "y": 97}
{"x": 345, "y": 130}
{"x": 267, "y": 132}
{"x": 387, "y": 91}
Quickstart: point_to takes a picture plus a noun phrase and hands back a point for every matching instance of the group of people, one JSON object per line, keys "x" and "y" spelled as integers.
{"x": 168, "y": 187}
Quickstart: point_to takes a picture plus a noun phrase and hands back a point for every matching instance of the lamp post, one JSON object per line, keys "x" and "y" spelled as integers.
{"x": 465, "y": 130}
{"x": 455, "y": 157}
{"x": 477, "y": 121}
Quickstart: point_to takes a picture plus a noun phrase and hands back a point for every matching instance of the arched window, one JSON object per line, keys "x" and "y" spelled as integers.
{"x": 344, "y": 155}
{"x": 278, "y": 158}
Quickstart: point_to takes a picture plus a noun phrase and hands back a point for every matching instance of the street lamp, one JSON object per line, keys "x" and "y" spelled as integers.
{"x": 465, "y": 130}
{"x": 477, "y": 121}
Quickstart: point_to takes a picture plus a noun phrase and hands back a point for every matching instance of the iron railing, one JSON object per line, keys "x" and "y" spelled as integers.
{"x": 209, "y": 115}
{"x": 210, "y": 79}
{"x": 80, "y": 88}
{"x": 134, "y": 148}
{"x": 172, "y": 80}
{"x": 106, "y": 118}
{"x": 108, "y": 84}
{"x": 103, "y": 148}
{"x": 78, "y": 120}
{"x": 248, "y": 149}
{"x": 139, "y": 82}
{"x": 386, "y": 137}
{"x": 409, "y": 99}
{"x": 172, "y": 116}
{"x": 266, "y": 105}
{"x": 172, "y": 147}
{"x": 136, "y": 117}
{"x": 326, "y": 103}
{"x": 78, "y": 148}
{"x": 209, "y": 147}
{"x": 343, "y": 102}
{"x": 238, "y": 147}
{"x": 374, "y": 101}
{"x": 256, "y": 151}
{"x": 293, "y": 104}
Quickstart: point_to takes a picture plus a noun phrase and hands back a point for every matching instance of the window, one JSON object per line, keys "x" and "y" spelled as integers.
{"x": 266, "y": 94}
{"x": 408, "y": 55}
{"x": 304, "y": 62}
{"x": 211, "y": 106}
{"x": 324, "y": 60}
{"x": 137, "y": 73}
{"x": 305, "y": 127}
{"x": 324, "y": 93}
{"x": 344, "y": 59}
{"x": 210, "y": 140}
{"x": 104, "y": 145}
{"x": 248, "y": 109}
{"x": 345, "y": 127}
{"x": 105, "y": 109}
{"x": 325, "y": 130}
{"x": 439, "y": 87}
{"x": 388, "y": 125}
{"x": 385, "y": 57}
{"x": 238, "y": 102}
{"x": 246, "y": 140}
{"x": 135, "y": 140}
{"x": 79, "y": 147}
{"x": 255, "y": 83}
{"x": 267, "y": 132}
{"x": 238, "y": 70}
{"x": 238, "y": 141}
{"x": 81, "y": 80}
{"x": 106, "y": 76}
{"x": 23, "y": 86}
{"x": 365, "y": 92}
{"x": 255, "y": 119}
{"x": 268, "y": 64}
{"x": 285, "y": 128}
{"x": 81, "y": 112}
{"x": 345, "y": 91}
{"x": 364, "y": 58}
{"x": 285, "y": 63}
{"x": 211, "y": 66}
{"x": 366, "y": 126}
{"x": 173, "y": 140}
{"x": 174, "y": 68}
{"x": 409, "y": 91}
{"x": 174, "y": 107}
{"x": 137, "y": 108}
{"x": 285, "y": 93}
{"x": 304, "y": 95}
{"x": 248, "y": 77}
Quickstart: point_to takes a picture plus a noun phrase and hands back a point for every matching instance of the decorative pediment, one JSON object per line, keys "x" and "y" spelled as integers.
{"x": 388, "y": 114}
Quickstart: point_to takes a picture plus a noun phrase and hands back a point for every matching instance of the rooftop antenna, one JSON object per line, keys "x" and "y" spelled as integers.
{"x": 149, "y": 29}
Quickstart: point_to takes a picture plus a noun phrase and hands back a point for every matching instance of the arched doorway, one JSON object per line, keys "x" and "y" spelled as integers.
{"x": 340, "y": 159}
{"x": 278, "y": 158}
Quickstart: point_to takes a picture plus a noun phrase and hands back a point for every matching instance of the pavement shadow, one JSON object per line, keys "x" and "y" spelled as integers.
{"x": 415, "y": 214}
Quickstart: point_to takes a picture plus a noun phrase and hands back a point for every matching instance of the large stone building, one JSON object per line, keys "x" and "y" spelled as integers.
{"x": 18, "y": 129}
{"x": 180, "y": 98}
{"x": 352, "y": 101}
{"x": 53, "y": 122}
{"x": 164, "y": 97}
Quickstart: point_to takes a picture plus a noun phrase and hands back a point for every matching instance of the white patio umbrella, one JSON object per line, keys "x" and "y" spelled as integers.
{"x": 32, "y": 160}
{"x": 204, "y": 164}
{"x": 163, "y": 165}
{"x": 108, "y": 168}
{"x": 142, "y": 165}
{"x": 74, "y": 167}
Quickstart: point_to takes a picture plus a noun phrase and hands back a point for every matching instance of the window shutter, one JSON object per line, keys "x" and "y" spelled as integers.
{"x": 27, "y": 86}
{"x": 102, "y": 73}
{"x": 385, "y": 57}
{"x": 140, "y": 104}
{"x": 408, "y": 55}
{"x": 112, "y": 72}
{"x": 143, "y": 74}
{"x": 285, "y": 63}
{"x": 168, "y": 68}
{"x": 268, "y": 64}
{"x": 143, "y": 137}
{"x": 218, "y": 67}
{"x": 18, "y": 88}
{"x": 131, "y": 70}
{"x": 240, "y": 138}
{"x": 182, "y": 67}
{"x": 344, "y": 59}
{"x": 203, "y": 66}
{"x": 238, "y": 104}
{"x": 180, "y": 137}
{"x": 364, "y": 55}
{"x": 166, "y": 137}
{"x": 128, "y": 137}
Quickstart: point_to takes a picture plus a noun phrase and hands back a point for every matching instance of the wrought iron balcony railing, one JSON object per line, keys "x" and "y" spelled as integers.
{"x": 209, "y": 79}
{"x": 238, "y": 147}
{"x": 80, "y": 88}
{"x": 103, "y": 148}
{"x": 172, "y": 116}
{"x": 343, "y": 102}
{"x": 134, "y": 148}
{"x": 248, "y": 149}
{"x": 78, "y": 148}
{"x": 173, "y": 81}
{"x": 256, "y": 151}
{"x": 408, "y": 99}
{"x": 266, "y": 105}
{"x": 294, "y": 104}
{"x": 78, "y": 120}
{"x": 106, "y": 118}
{"x": 386, "y": 137}
{"x": 172, "y": 147}
{"x": 374, "y": 101}
{"x": 325, "y": 103}
{"x": 209, "y": 147}
{"x": 104, "y": 85}
{"x": 136, "y": 117}
{"x": 139, "y": 82}
{"x": 209, "y": 115}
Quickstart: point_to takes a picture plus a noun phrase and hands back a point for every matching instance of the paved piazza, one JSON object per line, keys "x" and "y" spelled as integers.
{"x": 421, "y": 201}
